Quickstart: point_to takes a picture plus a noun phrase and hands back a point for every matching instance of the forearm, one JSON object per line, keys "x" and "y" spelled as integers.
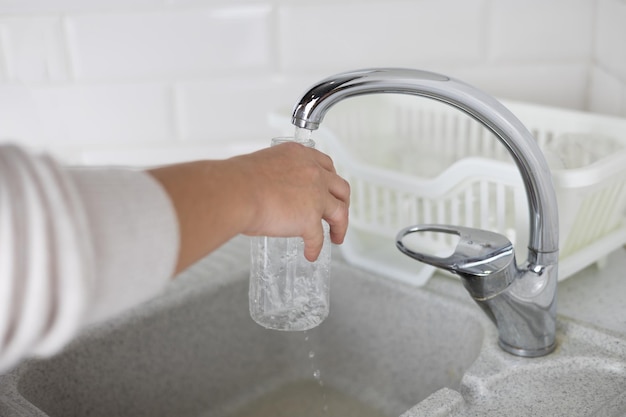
{"x": 210, "y": 204}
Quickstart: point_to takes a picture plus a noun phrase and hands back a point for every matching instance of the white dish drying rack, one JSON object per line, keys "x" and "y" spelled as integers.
{"x": 411, "y": 160}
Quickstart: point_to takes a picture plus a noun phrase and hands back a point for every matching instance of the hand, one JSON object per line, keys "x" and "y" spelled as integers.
{"x": 292, "y": 188}
{"x": 282, "y": 191}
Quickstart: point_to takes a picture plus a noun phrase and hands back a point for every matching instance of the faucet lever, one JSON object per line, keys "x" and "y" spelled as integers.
{"x": 484, "y": 260}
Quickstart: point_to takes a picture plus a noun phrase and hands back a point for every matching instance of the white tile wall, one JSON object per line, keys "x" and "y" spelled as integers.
{"x": 24, "y": 7}
{"x": 19, "y": 115}
{"x": 103, "y": 113}
{"x": 608, "y": 92}
{"x": 392, "y": 33}
{"x": 611, "y": 36}
{"x": 3, "y": 53}
{"x": 120, "y": 75}
{"x": 539, "y": 31}
{"x": 555, "y": 84}
{"x": 235, "y": 110}
{"x": 33, "y": 49}
{"x": 191, "y": 42}
{"x": 226, "y": 109}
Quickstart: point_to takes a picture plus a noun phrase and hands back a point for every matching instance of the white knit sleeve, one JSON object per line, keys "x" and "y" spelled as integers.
{"x": 75, "y": 246}
{"x": 46, "y": 267}
{"x": 134, "y": 236}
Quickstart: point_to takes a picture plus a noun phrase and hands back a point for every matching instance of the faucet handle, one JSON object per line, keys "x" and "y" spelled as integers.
{"x": 485, "y": 260}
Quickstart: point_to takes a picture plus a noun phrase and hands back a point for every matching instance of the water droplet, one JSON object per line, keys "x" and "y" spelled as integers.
{"x": 311, "y": 354}
{"x": 317, "y": 374}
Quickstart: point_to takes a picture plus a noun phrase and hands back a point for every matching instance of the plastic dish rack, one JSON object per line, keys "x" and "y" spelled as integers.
{"x": 411, "y": 160}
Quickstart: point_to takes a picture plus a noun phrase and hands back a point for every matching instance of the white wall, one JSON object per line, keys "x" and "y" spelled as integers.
{"x": 163, "y": 80}
{"x": 608, "y": 71}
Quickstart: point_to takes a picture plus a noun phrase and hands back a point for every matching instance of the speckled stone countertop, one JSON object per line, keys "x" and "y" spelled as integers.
{"x": 597, "y": 296}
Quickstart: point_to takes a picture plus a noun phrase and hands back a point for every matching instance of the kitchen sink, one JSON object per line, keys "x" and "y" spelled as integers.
{"x": 387, "y": 349}
{"x": 195, "y": 351}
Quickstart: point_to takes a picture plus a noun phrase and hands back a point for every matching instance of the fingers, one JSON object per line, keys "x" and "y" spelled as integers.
{"x": 313, "y": 238}
{"x": 313, "y": 242}
{"x": 340, "y": 189}
{"x": 336, "y": 209}
{"x": 336, "y": 206}
{"x": 337, "y": 218}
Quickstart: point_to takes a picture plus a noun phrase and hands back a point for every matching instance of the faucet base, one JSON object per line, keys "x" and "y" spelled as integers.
{"x": 526, "y": 353}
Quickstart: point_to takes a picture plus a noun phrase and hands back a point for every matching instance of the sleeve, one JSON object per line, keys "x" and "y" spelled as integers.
{"x": 76, "y": 246}
{"x": 134, "y": 233}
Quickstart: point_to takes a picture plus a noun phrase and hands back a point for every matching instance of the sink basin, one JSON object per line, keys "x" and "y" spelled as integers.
{"x": 195, "y": 351}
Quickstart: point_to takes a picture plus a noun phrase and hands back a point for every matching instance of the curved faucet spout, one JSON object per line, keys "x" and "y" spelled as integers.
{"x": 539, "y": 273}
{"x": 310, "y": 111}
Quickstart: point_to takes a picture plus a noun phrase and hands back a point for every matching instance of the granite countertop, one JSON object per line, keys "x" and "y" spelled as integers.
{"x": 597, "y": 295}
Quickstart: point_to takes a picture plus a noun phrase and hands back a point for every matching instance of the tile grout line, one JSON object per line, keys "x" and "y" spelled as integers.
{"x": 5, "y": 65}
{"x": 68, "y": 54}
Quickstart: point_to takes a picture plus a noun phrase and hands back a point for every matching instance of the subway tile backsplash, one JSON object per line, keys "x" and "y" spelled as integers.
{"x": 114, "y": 113}
{"x": 539, "y": 31}
{"x": 33, "y": 49}
{"x": 227, "y": 109}
{"x": 610, "y": 51}
{"x": 116, "y": 75}
{"x": 393, "y": 33}
{"x": 170, "y": 43}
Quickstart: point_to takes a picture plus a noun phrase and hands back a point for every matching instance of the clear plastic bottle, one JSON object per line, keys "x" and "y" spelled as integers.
{"x": 287, "y": 292}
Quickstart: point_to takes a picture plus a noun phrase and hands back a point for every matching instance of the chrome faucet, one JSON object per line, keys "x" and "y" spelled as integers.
{"x": 520, "y": 300}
